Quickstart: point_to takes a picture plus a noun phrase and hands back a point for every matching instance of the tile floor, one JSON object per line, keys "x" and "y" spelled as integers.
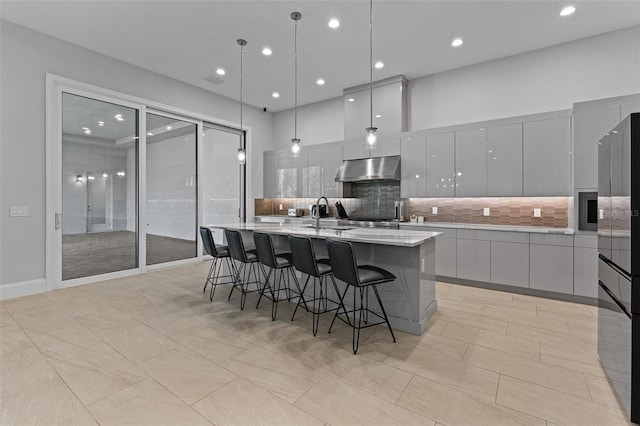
{"x": 152, "y": 350}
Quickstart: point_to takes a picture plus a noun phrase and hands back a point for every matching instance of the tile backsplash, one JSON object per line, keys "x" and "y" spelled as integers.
{"x": 377, "y": 200}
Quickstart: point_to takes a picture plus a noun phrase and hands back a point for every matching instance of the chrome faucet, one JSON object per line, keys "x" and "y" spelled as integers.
{"x": 318, "y": 210}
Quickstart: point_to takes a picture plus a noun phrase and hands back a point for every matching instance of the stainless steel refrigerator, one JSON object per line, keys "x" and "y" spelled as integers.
{"x": 619, "y": 261}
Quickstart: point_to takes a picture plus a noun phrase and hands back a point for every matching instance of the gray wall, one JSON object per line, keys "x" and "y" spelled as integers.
{"x": 25, "y": 57}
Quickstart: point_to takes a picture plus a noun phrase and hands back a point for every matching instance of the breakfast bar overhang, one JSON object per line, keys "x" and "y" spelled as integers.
{"x": 409, "y": 255}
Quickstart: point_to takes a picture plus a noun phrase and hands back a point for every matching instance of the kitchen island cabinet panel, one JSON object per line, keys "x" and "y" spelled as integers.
{"x": 504, "y": 160}
{"x": 547, "y": 157}
{"x": 473, "y": 260}
{"x": 470, "y": 163}
{"x": 441, "y": 165}
{"x": 510, "y": 263}
{"x": 414, "y": 166}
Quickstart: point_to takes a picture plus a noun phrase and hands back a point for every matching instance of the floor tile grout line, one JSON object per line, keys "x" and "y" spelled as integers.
{"x": 515, "y": 409}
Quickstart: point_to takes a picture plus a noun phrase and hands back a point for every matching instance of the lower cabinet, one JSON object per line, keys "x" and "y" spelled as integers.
{"x": 551, "y": 267}
{"x": 446, "y": 257}
{"x": 585, "y": 266}
{"x": 473, "y": 260}
{"x": 510, "y": 263}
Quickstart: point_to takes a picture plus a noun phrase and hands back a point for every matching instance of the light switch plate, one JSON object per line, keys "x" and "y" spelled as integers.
{"x": 434, "y": 210}
{"x": 19, "y": 211}
{"x": 280, "y": 206}
{"x": 486, "y": 211}
{"x": 537, "y": 212}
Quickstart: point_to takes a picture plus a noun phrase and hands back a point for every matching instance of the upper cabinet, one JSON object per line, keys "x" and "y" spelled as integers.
{"x": 357, "y": 150}
{"x": 389, "y": 108}
{"x": 440, "y": 165}
{"x": 589, "y": 126}
{"x": 504, "y": 160}
{"x": 308, "y": 176}
{"x": 547, "y": 157}
{"x": 270, "y": 174}
{"x": 470, "y": 163}
{"x": 413, "y": 166}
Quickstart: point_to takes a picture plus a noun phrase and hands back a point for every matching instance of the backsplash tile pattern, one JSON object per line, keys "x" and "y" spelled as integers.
{"x": 516, "y": 211}
{"x": 377, "y": 201}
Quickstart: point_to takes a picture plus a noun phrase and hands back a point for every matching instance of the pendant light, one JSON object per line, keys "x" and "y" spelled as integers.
{"x": 295, "y": 142}
{"x": 371, "y": 139}
{"x": 242, "y": 154}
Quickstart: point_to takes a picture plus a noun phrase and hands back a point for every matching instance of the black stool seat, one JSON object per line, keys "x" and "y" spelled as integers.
{"x": 247, "y": 259}
{"x": 369, "y": 275}
{"x": 343, "y": 261}
{"x": 305, "y": 261}
{"x": 220, "y": 255}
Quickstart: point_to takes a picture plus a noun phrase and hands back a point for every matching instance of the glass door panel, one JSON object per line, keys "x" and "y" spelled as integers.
{"x": 99, "y": 181}
{"x": 171, "y": 189}
{"x": 221, "y": 178}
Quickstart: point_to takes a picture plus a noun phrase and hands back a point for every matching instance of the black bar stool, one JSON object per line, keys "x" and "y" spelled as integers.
{"x": 305, "y": 261}
{"x": 248, "y": 260}
{"x": 220, "y": 255}
{"x": 345, "y": 268}
{"x": 282, "y": 262}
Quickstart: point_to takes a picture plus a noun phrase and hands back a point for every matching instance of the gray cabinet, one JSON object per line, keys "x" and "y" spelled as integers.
{"x": 473, "y": 260}
{"x": 413, "y": 167}
{"x": 510, "y": 263}
{"x": 332, "y": 157}
{"x": 471, "y": 163}
{"x": 440, "y": 165}
{"x": 585, "y": 265}
{"x": 289, "y": 174}
{"x": 547, "y": 157}
{"x": 504, "y": 160}
{"x": 270, "y": 174}
{"x": 589, "y": 126}
{"x": 385, "y": 147}
{"x": 355, "y": 150}
{"x": 551, "y": 263}
{"x": 312, "y": 172}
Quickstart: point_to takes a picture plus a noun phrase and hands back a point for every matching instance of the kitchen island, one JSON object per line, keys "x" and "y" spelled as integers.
{"x": 410, "y": 255}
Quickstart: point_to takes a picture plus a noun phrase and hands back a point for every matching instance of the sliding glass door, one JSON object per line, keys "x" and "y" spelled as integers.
{"x": 99, "y": 181}
{"x": 171, "y": 181}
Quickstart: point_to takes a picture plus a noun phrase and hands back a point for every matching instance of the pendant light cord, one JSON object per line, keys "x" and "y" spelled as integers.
{"x": 295, "y": 60}
{"x": 371, "y": 60}
{"x": 241, "y": 128}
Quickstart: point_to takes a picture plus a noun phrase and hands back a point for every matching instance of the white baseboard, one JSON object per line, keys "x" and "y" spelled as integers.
{"x": 22, "y": 288}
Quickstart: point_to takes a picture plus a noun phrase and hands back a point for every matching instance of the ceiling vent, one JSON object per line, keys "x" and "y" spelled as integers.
{"x": 213, "y": 79}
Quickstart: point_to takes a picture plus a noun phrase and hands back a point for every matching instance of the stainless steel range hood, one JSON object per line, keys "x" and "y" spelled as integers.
{"x": 369, "y": 169}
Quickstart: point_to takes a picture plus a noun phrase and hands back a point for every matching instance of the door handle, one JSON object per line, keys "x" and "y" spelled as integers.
{"x": 58, "y": 220}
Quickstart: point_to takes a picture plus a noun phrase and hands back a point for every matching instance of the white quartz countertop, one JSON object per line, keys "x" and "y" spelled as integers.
{"x": 509, "y": 228}
{"x": 390, "y": 237}
{"x": 450, "y": 225}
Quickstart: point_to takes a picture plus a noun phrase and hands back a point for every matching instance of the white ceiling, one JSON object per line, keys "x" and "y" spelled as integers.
{"x": 188, "y": 40}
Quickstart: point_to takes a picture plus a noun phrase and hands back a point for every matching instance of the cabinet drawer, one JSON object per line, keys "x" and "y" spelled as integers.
{"x": 552, "y": 239}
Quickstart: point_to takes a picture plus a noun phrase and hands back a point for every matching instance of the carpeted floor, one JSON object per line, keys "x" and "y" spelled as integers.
{"x": 84, "y": 255}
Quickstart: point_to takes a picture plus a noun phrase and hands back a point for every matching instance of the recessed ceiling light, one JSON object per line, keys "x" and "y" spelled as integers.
{"x": 101, "y": 123}
{"x": 351, "y": 99}
{"x": 266, "y": 51}
{"x": 221, "y": 71}
{"x": 85, "y": 128}
{"x": 334, "y": 23}
{"x": 149, "y": 134}
{"x": 275, "y": 94}
{"x": 378, "y": 116}
{"x": 320, "y": 82}
{"x": 457, "y": 42}
{"x": 379, "y": 64}
{"x": 169, "y": 127}
{"x": 567, "y": 11}
{"x": 104, "y": 176}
